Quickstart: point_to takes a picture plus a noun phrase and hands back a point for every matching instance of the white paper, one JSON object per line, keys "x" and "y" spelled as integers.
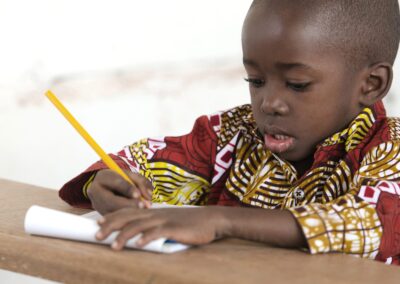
{"x": 57, "y": 224}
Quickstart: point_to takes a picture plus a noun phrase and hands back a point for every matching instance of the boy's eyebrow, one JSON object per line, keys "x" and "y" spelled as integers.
{"x": 287, "y": 66}
{"x": 279, "y": 65}
{"x": 250, "y": 62}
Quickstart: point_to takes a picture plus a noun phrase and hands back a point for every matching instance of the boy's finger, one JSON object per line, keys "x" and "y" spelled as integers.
{"x": 122, "y": 187}
{"x": 150, "y": 235}
{"x": 116, "y": 220}
{"x": 114, "y": 182}
{"x": 132, "y": 229}
{"x": 138, "y": 189}
{"x": 145, "y": 187}
{"x": 145, "y": 192}
{"x": 106, "y": 201}
{"x": 118, "y": 202}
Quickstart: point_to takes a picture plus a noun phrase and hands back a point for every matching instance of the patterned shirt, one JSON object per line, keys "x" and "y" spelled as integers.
{"x": 348, "y": 201}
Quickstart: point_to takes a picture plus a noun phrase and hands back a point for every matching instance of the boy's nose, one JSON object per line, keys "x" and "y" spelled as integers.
{"x": 274, "y": 105}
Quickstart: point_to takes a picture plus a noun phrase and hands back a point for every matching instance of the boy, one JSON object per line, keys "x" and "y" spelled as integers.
{"x": 315, "y": 148}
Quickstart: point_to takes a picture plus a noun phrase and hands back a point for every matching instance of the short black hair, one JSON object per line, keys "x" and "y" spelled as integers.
{"x": 366, "y": 31}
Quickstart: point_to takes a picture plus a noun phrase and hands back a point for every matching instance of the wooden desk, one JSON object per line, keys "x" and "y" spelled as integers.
{"x": 227, "y": 261}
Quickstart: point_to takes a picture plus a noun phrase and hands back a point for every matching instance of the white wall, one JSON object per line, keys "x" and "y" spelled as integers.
{"x": 126, "y": 69}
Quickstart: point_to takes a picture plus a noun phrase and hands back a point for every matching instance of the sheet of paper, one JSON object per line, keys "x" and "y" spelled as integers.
{"x": 57, "y": 224}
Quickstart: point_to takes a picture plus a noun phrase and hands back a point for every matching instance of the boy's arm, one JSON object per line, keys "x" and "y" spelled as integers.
{"x": 274, "y": 227}
{"x": 202, "y": 225}
{"x": 189, "y": 157}
{"x": 363, "y": 222}
{"x": 74, "y": 192}
{"x": 366, "y": 220}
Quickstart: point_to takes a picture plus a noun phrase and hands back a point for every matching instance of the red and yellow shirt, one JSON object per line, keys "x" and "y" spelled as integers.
{"x": 348, "y": 201}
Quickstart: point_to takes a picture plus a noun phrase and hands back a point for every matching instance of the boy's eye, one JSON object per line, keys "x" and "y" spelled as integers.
{"x": 298, "y": 87}
{"x": 256, "y": 83}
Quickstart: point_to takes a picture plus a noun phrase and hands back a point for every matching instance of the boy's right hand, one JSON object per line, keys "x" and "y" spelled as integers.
{"x": 109, "y": 192}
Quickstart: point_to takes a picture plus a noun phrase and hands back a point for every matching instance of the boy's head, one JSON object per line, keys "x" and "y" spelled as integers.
{"x": 313, "y": 65}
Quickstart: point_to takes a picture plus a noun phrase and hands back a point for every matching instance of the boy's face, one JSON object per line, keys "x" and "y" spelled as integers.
{"x": 301, "y": 89}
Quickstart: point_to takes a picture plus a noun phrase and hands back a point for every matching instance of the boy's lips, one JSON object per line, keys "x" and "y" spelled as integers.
{"x": 277, "y": 141}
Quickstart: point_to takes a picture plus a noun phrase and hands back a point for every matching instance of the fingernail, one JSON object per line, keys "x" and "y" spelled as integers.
{"x": 139, "y": 242}
{"x": 140, "y": 205}
{"x": 135, "y": 194}
{"x": 101, "y": 220}
{"x": 114, "y": 245}
{"x": 99, "y": 235}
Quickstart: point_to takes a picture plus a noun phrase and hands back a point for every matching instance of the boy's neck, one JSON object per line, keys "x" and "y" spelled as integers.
{"x": 303, "y": 166}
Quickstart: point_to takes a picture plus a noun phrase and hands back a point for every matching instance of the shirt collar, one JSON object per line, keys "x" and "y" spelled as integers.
{"x": 358, "y": 128}
{"x": 351, "y": 136}
{"x": 250, "y": 130}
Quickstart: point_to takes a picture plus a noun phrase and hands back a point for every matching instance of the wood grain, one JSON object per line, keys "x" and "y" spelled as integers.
{"x": 226, "y": 261}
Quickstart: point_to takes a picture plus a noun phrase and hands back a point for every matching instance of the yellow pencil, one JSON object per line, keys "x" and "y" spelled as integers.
{"x": 103, "y": 155}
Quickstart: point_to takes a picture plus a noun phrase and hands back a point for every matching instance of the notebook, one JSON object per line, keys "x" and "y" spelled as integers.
{"x": 57, "y": 224}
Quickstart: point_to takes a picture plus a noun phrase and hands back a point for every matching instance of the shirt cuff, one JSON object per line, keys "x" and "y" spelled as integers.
{"x": 87, "y": 184}
{"x": 347, "y": 225}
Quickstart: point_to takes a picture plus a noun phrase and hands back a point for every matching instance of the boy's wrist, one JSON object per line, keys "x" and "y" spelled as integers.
{"x": 226, "y": 222}
{"x": 275, "y": 227}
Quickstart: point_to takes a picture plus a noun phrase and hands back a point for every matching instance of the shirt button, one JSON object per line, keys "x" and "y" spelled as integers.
{"x": 298, "y": 194}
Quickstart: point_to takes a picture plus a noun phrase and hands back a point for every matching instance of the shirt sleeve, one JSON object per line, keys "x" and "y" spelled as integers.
{"x": 180, "y": 168}
{"x": 365, "y": 221}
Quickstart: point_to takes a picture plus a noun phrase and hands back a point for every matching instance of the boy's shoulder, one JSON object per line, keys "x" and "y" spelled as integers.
{"x": 383, "y": 139}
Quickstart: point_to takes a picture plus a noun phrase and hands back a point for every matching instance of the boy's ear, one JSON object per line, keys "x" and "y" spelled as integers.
{"x": 376, "y": 83}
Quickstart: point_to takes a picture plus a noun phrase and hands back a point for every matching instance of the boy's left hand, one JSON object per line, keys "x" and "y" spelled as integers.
{"x": 186, "y": 225}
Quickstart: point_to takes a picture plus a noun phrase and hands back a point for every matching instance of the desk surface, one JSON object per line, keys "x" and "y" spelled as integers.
{"x": 226, "y": 261}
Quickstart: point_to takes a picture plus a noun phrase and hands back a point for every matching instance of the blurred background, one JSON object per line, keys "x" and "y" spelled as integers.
{"x": 126, "y": 69}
